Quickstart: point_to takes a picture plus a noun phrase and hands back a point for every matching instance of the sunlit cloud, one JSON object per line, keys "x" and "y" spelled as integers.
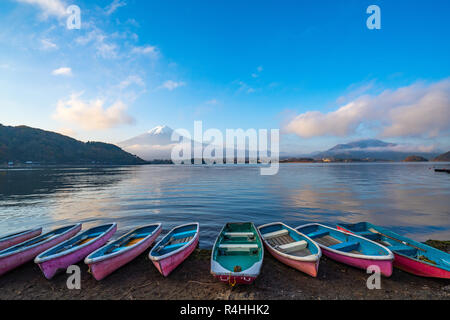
{"x": 418, "y": 110}
{"x": 49, "y": 7}
{"x": 92, "y": 115}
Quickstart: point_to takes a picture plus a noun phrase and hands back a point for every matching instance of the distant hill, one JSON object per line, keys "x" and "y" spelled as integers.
{"x": 415, "y": 159}
{"x": 370, "y": 149}
{"x": 23, "y": 144}
{"x": 443, "y": 157}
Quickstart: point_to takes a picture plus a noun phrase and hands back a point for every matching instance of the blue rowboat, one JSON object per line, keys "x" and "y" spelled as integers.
{"x": 411, "y": 256}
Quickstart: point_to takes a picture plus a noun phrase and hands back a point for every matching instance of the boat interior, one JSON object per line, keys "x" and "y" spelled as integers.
{"x": 37, "y": 240}
{"x": 177, "y": 238}
{"x": 287, "y": 241}
{"x": 78, "y": 240}
{"x": 337, "y": 240}
{"x": 238, "y": 247}
{"x": 126, "y": 241}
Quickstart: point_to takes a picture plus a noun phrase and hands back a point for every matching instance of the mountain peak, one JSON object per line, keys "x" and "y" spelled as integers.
{"x": 160, "y": 130}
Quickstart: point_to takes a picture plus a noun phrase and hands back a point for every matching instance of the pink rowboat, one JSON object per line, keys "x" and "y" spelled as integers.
{"x": 18, "y": 237}
{"x": 350, "y": 249}
{"x": 410, "y": 256}
{"x": 26, "y": 251}
{"x": 111, "y": 257}
{"x": 72, "y": 251}
{"x": 175, "y": 247}
{"x": 291, "y": 247}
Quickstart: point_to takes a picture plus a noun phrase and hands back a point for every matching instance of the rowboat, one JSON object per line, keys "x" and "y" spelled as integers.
{"x": 74, "y": 250}
{"x": 291, "y": 247}
{"x": 238, "y": 254}
{"x": 18, "y": 237}
{"x": 350, "y": 249}
{"x": 26, "y": 251}
{"x": 175, "y": 247}
{"x": 114, "y": 255}
{"x": 411, "y": 256}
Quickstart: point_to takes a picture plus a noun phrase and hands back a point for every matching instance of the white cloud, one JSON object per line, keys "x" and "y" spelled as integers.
{"x": 132, "y": 80}
{"x": 116, "y": 4}
{"x": 258, "y": 71}
{"x": 145, "y": 50}
{"x": 97, "y": 37}
{"x": 47, "y": 44}
{"x": 92, "y": 115}
{"x": 172, "y": 85}
{"x": 49, "y": 7}
{"x": 64, "y": 71}
{"x": 418, "y": 110}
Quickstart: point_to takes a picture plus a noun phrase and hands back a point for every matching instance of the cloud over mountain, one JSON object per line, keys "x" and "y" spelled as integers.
{"x": 92, "y": 115}
{"x": 418, "y": 110}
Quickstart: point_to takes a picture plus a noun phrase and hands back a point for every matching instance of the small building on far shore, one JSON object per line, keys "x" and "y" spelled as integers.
{"x": 10, "y": 163}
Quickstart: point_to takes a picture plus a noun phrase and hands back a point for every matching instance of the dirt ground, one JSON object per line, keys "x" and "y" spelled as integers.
{"x": 192, "y": 280}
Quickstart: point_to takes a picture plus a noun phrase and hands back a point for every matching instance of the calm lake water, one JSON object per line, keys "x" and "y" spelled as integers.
{"x": 410, "y": 198}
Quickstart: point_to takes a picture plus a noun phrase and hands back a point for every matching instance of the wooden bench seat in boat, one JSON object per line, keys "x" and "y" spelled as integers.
{"x": 238, "y": 247}
{"x": 345, "y": 246}
{"x": 317, "y": 234}
{"x": 403, "y": 249}
{"x": 183, "y": 234}
{"x": 293, "y": 246}
{"x": 275, "y": 234}
{"x": 239, "y": 234}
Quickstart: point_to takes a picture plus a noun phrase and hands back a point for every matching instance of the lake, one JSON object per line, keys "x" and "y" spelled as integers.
{"x": 409, "y": 198}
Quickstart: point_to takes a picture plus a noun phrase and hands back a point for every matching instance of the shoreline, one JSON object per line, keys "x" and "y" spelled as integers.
{"x": 139, "y": 280}
{"x": 75, "y": 166}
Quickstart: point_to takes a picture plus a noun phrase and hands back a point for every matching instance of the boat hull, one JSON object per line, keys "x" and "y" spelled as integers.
{"x": 11, "y": 262}
{"x": 230, "y": 279}
{"x": 166, "y": 265}
{"x": 413, "y": 266}
{"x": 7, "y": 243}
{"x": 309, "y": 267}
{"x": 104, "y": 268}
{"x": 385, "y": 266}
{"x": 51, "y": 267}
{"x": 418, "y": 268}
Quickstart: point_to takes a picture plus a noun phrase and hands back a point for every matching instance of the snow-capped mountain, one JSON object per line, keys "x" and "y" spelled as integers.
{"x": 154, "y": 144}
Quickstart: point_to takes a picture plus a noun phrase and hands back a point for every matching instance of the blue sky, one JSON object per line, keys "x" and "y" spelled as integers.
{"x": 311, "y": 68}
